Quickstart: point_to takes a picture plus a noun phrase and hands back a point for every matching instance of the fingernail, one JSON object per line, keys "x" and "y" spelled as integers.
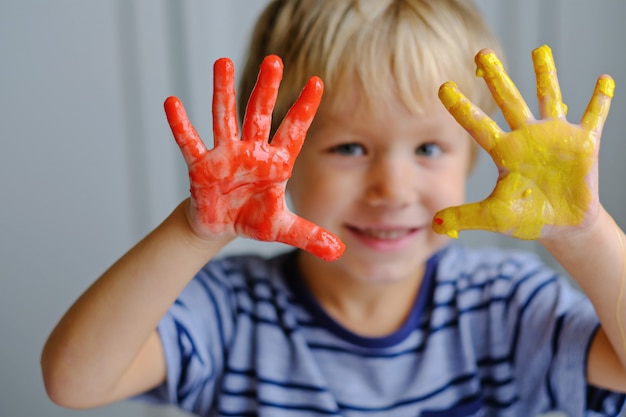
{"x": 607, "y": 86}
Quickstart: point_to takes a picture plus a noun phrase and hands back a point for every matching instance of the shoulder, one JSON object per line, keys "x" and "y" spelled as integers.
{"x": 246, "y": 270}
{"x": 232, "y": 280}
{"x": 492, "y": 276}
{"x": 475, "y": 266}
{"x": 458, "y": 259}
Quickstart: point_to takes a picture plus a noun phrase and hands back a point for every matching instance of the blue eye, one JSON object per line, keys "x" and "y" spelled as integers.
{"x": 349, "y": 149}
{"x": 430, "y": 150}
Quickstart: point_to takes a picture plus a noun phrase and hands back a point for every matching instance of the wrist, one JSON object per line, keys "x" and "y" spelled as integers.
{"x": 596, "y": 240}
{"x": 211, "y": 244}
{"x": 594, "y": 228}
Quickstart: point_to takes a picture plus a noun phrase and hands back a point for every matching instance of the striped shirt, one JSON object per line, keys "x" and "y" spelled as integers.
{"x": 491, "y": 333}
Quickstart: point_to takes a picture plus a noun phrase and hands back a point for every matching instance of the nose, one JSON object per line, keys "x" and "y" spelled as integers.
{"x": 392, "y": 182}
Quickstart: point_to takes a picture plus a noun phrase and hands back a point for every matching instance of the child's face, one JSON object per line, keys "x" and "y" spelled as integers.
{"x": 376, "y": 179}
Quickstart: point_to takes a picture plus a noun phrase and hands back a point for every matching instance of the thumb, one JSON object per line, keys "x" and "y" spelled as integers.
{"x": 509, "y": 217}
{"x": 473, "y": 216}
{"x": 310, "y": 237}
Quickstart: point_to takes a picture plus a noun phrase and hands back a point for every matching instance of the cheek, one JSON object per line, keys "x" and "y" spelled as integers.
{"x": 302, "y": 190}
{"x": 449, "y": 189}
{"x": 315, "y": 194}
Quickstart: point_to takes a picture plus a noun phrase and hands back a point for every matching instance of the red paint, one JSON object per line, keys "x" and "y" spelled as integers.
{"x": 438, "y": 220}
{"x": 238, "y": 187}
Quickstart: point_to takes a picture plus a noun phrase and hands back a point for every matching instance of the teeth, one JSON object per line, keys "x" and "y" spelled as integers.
{"x": 385, "y": 234}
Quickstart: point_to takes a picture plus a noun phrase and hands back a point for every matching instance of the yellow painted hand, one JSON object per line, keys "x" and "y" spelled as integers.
{"x": 547, "y": 167}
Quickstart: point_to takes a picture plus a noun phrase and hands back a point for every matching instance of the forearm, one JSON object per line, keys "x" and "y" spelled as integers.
{"x": 596, "y": 260}
{"x": 102, "y": 333}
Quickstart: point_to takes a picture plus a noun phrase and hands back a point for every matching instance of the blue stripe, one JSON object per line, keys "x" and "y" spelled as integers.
{"x": 191, "y": 354}
{"x": 251, "y": 393}
{"x": 252, "y": 316}
{"x": 213, "y": 303}
{"x": 493, "y": 382}
{"x": 293, "y": 385}
{"x": 522, "y": 310}
{"x": 465, "y": 407}
{"x": 296, "y": 407}
{"x": 488, "y": 269}
{"x": 410, "y": 401}
{"x": 459, "y": 380}
{"x": 370, "y": 355}
{"x": 491, "y": 361}
{"x": 481, "y": 286}
{"x": 495, "y": 403}
{"x": 555, "y": 347}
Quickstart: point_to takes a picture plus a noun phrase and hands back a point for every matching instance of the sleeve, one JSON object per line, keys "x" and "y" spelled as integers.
{"x": 195, "y": 333}
{"x": 554, "y": 324}
{"x": 601, "y": 402}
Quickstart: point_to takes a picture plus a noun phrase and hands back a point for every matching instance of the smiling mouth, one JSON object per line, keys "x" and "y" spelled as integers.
{"x": 384, "y": 234}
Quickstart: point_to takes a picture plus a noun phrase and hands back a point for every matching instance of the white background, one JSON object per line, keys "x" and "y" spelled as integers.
{"x": 88, "y": 165}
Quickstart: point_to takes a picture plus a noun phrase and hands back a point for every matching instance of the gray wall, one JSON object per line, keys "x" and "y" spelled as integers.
{"x": 88, "y": 165}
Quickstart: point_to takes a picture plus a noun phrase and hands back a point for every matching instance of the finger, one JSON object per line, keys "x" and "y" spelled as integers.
{"x": 482, "y": 128}
{"x": 265, "y": 217}
{"x": 224, "y": 102}
{"x": 598, "y": 108}
{"x": 185, "y": 134}
{"x": 551, "y": 104}
{"x": 490, "y": 215}
{"x": 305, "y": 235}
{"x": 503, "y": 90}
{"x": 293, "y": 128}
{"x": 450, "y": 221}
{"x": 257, "y": 121}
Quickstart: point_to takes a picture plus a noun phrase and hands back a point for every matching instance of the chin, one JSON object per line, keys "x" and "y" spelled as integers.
{"x": 381, "y": 270}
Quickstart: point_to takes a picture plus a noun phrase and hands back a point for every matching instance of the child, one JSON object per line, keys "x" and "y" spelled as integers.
{"x": 398, "y": 322}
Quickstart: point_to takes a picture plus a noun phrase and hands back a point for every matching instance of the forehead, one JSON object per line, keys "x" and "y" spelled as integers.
{"x": 384, "y": 96}
{"x": 385, "y": 115}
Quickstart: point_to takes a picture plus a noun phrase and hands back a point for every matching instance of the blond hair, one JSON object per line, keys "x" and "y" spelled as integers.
{"x": 408, "y": 45}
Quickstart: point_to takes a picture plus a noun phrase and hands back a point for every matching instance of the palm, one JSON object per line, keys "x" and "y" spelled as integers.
{"x": 238, "y": 187}
{"x": 548, "y": 172}
{"x": 237, "y": 193}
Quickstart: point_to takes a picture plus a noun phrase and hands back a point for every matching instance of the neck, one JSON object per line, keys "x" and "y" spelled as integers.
{"x": 369, "y": 309}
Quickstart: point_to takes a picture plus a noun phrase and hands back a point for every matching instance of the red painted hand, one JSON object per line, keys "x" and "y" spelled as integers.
{"x": 238, "y": 187}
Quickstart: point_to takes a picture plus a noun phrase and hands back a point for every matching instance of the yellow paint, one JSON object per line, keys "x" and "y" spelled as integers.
{"x": 607, "y": 87}
{"x": 548, "y": 91}
{"x": 543, "y": 164}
